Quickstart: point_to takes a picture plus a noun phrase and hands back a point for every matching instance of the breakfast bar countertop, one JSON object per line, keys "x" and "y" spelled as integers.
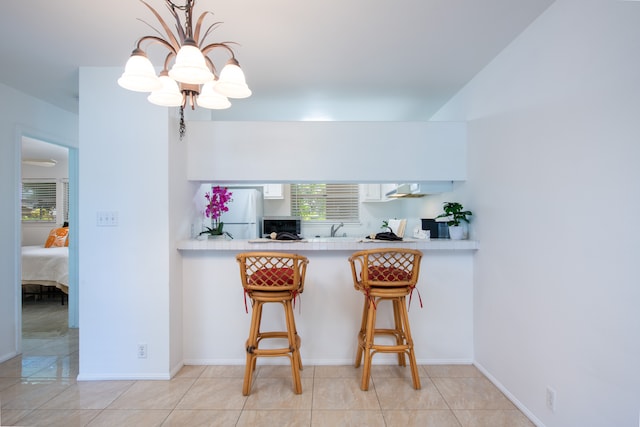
{"x": 324, "y": 244}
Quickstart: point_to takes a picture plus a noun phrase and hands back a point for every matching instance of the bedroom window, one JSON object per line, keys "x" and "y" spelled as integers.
{"x": 65, "y": 199}
{"x": 39, "y": 201}
{"x": 325, "y": 202}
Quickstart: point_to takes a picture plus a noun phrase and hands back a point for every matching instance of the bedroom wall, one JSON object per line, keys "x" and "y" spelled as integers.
{"x": 553, "y": 183}
{"x": 20, "y": 114}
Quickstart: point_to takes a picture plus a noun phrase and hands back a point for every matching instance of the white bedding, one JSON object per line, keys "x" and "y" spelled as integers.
{"x": 47, "y": 266}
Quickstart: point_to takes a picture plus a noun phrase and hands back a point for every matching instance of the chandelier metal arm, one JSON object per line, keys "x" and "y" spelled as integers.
{"x": 208, "y": 48}
{"x": 167, "y": 60}
{"x": 159, "y": 40}
{"x": 196, "y": 34}
{"x": 212, "y": 67}
{"x": 172, "y": 39}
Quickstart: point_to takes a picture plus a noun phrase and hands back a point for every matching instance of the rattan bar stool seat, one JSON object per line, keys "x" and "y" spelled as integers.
{"x": 386, "y": 274}
{"x": 272, "y": 277}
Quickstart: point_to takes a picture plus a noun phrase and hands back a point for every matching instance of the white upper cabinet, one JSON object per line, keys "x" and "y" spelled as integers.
{"x": 375, "y": 192}
{"x": 273, "y": 191}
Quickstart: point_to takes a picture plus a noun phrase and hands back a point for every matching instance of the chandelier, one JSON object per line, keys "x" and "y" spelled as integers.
{"x": 193, "y": 78}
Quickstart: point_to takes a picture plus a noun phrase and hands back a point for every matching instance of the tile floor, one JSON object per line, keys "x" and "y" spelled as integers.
{"x": 39, "y": 389}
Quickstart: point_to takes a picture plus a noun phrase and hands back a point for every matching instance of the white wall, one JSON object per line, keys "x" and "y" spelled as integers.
{"x": 180, "y": 212}
{"x": 20, "y": 114}
{"x": 326, "y": 151}
{"x": 124, "y": 270}
{"x": 553, "y": 181}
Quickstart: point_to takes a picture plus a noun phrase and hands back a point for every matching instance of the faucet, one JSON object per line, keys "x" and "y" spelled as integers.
{"x": 335, "y": 229}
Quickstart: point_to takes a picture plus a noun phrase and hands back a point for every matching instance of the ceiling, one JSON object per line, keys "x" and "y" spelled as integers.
{"x": 33, "y": 149}
{"x": 325, "y": 60}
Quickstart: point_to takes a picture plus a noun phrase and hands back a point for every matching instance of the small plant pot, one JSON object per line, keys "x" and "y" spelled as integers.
{"x": 456, "y": 232}
{"x": 217, "y": 237}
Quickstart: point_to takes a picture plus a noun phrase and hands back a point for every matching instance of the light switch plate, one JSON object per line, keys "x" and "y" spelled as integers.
{"x": 107, "y": 218}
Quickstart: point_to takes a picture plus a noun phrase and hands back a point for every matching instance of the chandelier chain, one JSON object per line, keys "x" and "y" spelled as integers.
{"x": 183, "y": 128}
{"x": 188, "y": 10}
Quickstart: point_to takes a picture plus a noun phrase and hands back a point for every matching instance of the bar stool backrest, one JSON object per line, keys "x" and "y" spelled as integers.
{"x": 385, "y": 267}
{"x": 272, "y": 271}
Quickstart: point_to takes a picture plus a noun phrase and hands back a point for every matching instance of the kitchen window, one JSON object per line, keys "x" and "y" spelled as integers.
{"x": 326, "y": 202}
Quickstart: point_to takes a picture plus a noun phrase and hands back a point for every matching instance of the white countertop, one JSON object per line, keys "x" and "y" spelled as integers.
{"x": 323, "y": 244}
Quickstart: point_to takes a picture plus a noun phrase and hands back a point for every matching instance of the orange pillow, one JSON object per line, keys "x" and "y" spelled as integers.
{"x": 58, "y": 237}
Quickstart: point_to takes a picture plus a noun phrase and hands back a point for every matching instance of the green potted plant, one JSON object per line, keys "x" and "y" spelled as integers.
{"x": 454, "y": 215}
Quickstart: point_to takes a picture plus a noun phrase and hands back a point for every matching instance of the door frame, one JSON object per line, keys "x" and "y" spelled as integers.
{"x": 73, "y": 172}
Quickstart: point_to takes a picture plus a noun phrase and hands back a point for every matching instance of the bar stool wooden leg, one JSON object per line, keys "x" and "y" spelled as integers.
{"x": 361, "y": 334}
{"x": 399, "y": 331}
{"x": 294, "y": 347}
{"x": 251, "y": 344}
{"x": 296, "y": 336}
{"x": 409, "y": 342}
{"x": 368, "y": 342}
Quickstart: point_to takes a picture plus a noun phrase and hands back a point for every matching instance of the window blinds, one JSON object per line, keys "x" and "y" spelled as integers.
{"x": 325, "y": 202}
{"x": 65, "y": 198}
{"x": 39, "y": 201}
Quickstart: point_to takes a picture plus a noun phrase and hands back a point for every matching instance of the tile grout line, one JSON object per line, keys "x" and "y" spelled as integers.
{"x": 181, "y": 398}
{"x": 445, "y": 400}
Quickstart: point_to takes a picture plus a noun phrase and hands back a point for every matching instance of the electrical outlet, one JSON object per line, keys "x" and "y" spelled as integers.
{"x": 142, "y": 351}
{"x": 551, "y": 399}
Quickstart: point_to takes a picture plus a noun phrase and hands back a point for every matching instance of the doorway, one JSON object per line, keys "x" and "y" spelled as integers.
{"x": 48, "y": 166}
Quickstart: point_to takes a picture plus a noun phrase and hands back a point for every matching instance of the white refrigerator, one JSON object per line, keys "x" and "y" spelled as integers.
{"x": 244, "y": 218}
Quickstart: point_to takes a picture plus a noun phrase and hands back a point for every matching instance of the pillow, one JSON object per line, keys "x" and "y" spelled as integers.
{"x": 58, "y": 237}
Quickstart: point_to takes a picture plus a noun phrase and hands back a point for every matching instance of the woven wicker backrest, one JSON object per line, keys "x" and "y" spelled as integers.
{"x": 272, "y": 271}
{"x": 385, "y": 267}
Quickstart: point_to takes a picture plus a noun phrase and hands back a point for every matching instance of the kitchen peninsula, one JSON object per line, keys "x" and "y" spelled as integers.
{"x": 328, "y": 312}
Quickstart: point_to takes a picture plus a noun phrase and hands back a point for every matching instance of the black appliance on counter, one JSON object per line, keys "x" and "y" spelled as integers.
{"x": 437, "y": 230}
{"x": 277, "y": 224}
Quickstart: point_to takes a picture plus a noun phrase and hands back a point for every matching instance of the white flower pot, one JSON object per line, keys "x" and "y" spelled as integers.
{"x": 456, "y": 232}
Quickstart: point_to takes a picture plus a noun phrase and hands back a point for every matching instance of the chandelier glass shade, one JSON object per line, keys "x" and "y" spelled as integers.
{"x": 168, "y": 94}
{"x": 193, "y": 78}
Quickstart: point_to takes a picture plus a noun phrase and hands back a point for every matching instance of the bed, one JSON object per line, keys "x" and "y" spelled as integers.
{"x": 46, "y": 267}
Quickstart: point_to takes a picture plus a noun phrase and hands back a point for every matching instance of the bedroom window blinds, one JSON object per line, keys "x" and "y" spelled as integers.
{"x": 39, "y": 201}
{"x": 325, "y": 202}
{"x": 65, "y": 198}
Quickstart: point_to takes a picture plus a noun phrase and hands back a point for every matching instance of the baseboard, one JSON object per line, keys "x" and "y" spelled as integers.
{"x": 8, "y": 356}
{"x": 281, "y": 361}
{"x": 377, "y": 360}
{"x": 176, "y": 369}
{"x": 510, "y": 396}
{"x": 122, "y": 377}
{"x": 222, "y": 362}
